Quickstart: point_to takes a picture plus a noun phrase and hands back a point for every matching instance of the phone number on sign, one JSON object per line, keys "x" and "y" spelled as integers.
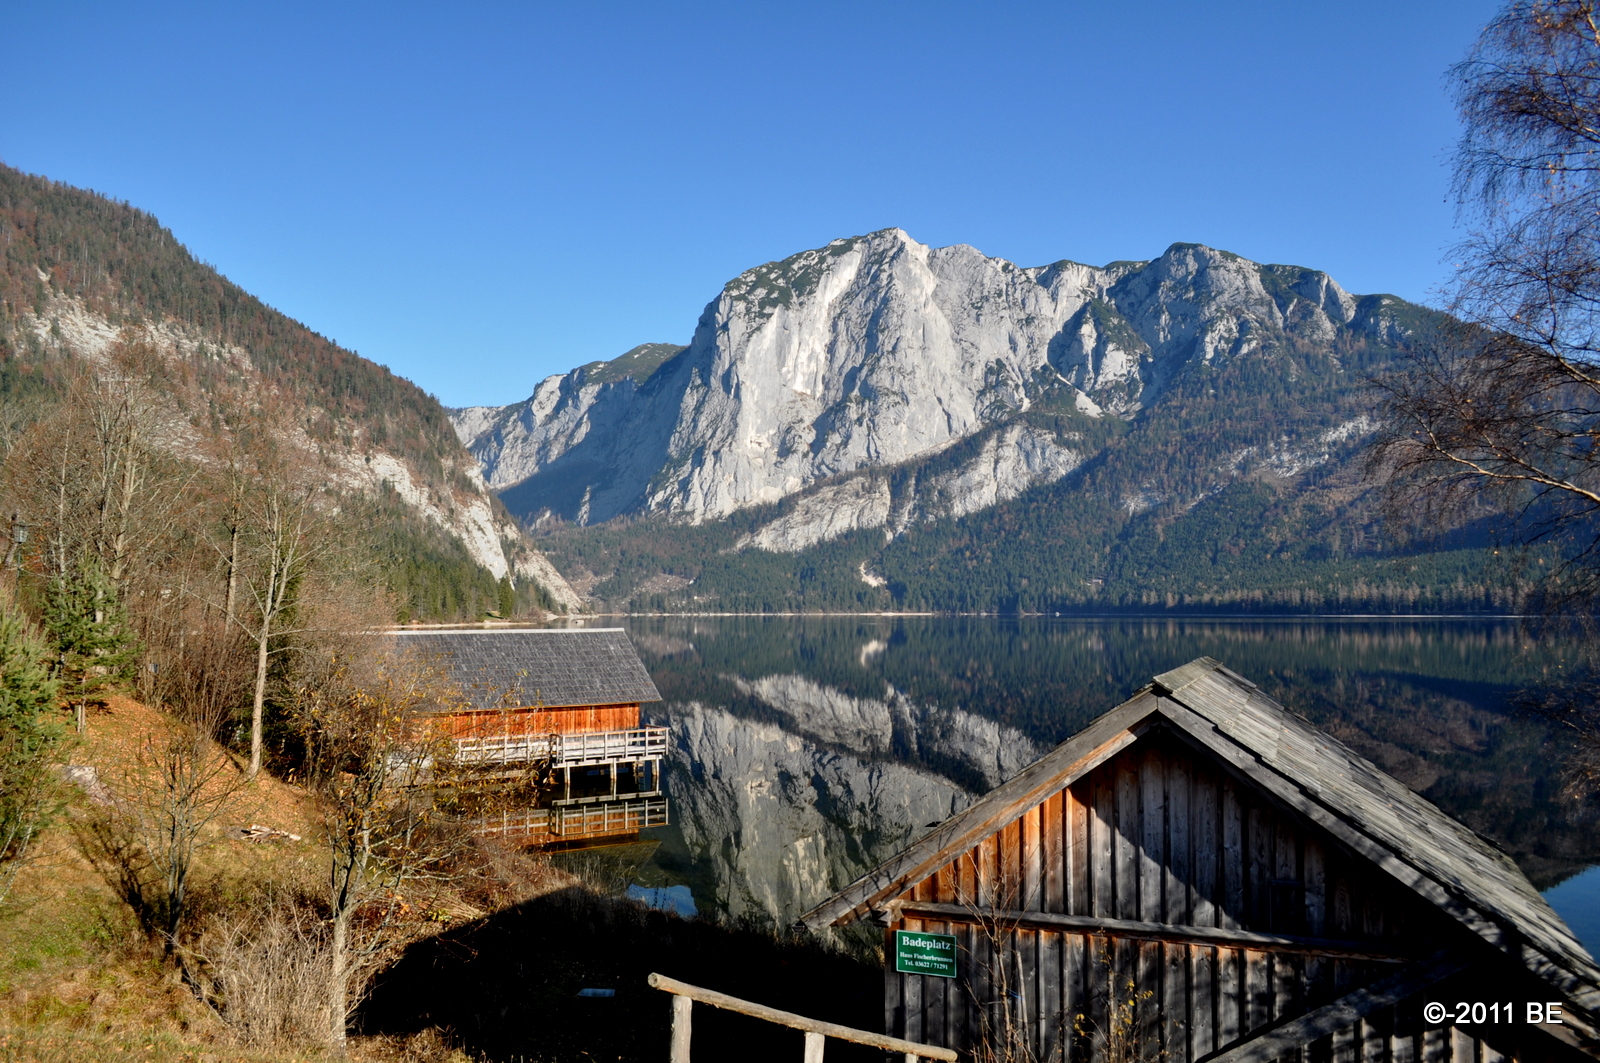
{"x": 1477, "y": 1013}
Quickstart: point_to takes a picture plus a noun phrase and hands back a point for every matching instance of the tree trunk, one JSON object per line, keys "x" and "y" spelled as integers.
{"x": 260, "y": 701}
{"x": 338, "y": 973}
{"x": 233, "y": 572}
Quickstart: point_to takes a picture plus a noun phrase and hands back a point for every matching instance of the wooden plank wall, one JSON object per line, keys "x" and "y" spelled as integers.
{"x": 1160, "y": 834}
{"x": 578, "y": 719}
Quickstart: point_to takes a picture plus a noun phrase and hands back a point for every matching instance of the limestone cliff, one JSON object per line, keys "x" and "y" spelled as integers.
{"x": 838, "y": 374}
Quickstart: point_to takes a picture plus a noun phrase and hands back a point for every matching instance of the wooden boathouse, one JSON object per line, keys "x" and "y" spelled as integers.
{"x": 1199, "y": 876}
{"x": 566, "y": 703}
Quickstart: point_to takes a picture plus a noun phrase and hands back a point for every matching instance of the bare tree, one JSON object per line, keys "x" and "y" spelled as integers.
{"x": 1499, "y": 416}
{"x": 175, "y": 784}
{"x": 97, "y": 474}
{"x": 378, "y": 769}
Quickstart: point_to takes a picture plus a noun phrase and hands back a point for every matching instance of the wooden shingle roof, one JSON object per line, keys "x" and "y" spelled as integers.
{"x": 1312, "y": 773}
{"x": 549, "y": 667}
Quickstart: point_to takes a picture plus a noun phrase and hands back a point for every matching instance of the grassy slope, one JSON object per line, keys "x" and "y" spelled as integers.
{"x": 73, "y": 982}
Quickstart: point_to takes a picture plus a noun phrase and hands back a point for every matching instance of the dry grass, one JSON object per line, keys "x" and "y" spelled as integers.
{"x": 79, "y": 982}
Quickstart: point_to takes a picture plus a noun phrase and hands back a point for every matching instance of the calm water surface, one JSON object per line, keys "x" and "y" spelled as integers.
{"x": 805, "y": 751}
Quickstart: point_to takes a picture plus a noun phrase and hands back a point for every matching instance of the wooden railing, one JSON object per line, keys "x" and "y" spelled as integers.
{"x": 576, "y": 822}
{"x": 563, "y": 750}
{"x": 684, "y": 995}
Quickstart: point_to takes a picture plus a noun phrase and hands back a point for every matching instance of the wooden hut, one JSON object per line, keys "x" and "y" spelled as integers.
{"x": 565, "y": 701}
{"x": 1200, "y": 875}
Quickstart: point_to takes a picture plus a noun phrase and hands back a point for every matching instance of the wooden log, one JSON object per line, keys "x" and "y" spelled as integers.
{"x": 1152, "y": 837}
{"x": 1178, "y": 886}
{"x": 1052, "y": 967}
{"x": 1258, "y": 1001}
{"x": 1147, "y": 931}
{"x": 1104, "y": 830}
{"x": 1126, "y": 857}
{"x": 893, "y": 988}
{"x": 1078, "y": 851}
{"x": 1147, "y": 1008}
{"x": 1008, "y": 863}
{"x": 1101, "y": 977}
{"x": 1230, "y": 995}
{"x": 1258, "y": 901}
{"x": 1231, "y": 911}
{"x": 1175, "y": 1004}
{"x": 682, "y": 1007}
{"x": 934, "y": 996}
{"x": 1205, "y": 814}
{"x": 1374, "y": 1041}
{"x": 815, "y": 1043}
{"x": 911, "y": 996}
{"x": 1030, "y": 860}
{"x": 1202, "y": 992}
{"x": 989, "y": 872}
{"x": 1435, "y": 1045}
{"x": 684, "y": 992}
{"x": 1075, "y": 991}
{"x": 1029, "y": 1004}
{"x": 1053, "y": 851}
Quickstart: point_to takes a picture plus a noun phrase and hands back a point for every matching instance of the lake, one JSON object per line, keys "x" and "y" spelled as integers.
{"x": 806, "y": 750}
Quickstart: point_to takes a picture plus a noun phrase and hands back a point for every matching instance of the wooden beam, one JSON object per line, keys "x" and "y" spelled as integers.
{"x": 1275, "y": 1041}
{"x": 1146, "y": 931}
{"x": 682, "y": 1018}
{"x": 685, "y": 992}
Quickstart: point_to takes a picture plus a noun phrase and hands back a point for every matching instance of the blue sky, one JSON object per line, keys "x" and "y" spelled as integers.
{"x": 478, "y": 195}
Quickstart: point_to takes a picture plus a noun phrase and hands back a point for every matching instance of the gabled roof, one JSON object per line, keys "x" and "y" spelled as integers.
{"x": 548, "y": 667}
{"x": 1309, "y": 771}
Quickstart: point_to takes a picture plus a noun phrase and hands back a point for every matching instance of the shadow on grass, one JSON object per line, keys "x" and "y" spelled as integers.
{"x": 505, "y": 987}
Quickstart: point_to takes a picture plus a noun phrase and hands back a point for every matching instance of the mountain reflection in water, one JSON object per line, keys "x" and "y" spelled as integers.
{"x": 804, "y": 751}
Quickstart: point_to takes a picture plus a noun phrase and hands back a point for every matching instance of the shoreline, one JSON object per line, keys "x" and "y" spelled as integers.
{"x": 556, "y": 620}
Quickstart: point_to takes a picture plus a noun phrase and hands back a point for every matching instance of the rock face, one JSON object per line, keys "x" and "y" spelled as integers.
{"x": 781, "y": 815}
{"x": 825, "y": 371}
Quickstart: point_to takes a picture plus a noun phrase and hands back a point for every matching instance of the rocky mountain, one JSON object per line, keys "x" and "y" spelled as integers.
{"x": 877, "y": 351}
{"x": 80, "y": 271}
{"x": 878, "y": 410}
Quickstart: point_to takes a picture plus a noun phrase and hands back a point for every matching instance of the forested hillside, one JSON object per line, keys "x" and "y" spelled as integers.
{"x": 81, "y": 270}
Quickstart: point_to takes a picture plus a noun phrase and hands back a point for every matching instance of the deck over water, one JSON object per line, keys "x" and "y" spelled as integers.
{"x": 565, "y": 750}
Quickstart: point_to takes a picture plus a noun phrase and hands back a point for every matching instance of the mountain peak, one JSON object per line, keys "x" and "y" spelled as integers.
{"x": 876, "y": 351}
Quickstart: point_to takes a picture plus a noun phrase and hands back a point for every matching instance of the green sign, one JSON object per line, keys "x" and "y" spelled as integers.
{"x": 919, "y": 953}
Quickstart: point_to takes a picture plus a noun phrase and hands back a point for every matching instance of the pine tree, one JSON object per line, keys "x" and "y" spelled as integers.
{"x": 89, "y": 628}
{"x": 29, "y": 732}
{"x": 508, "y": 598}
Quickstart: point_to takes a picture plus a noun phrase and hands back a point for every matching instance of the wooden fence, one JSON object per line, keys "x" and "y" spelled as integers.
{"x": 684, "y": 996}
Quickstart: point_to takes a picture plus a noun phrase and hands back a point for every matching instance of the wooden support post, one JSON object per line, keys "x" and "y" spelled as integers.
{"x": 814, "y": 1046}
{"x": 681, "y": 1007}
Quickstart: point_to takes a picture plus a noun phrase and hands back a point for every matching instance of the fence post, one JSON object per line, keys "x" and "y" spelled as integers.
{"x": 814, "y": 1045}
{"x": 680, "y": 1028}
